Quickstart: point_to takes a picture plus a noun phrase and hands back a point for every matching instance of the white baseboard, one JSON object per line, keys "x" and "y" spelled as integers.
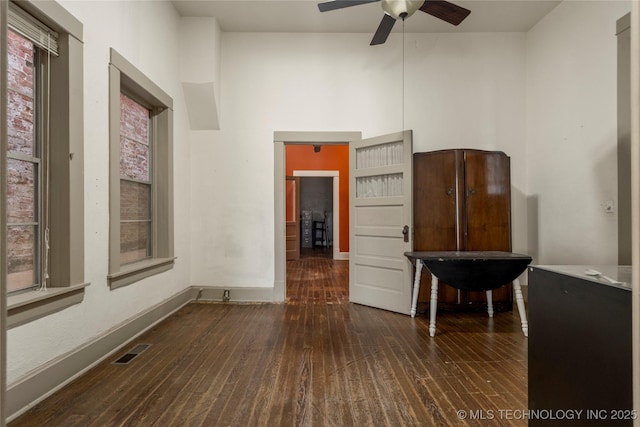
{"x": 341, "y": 255}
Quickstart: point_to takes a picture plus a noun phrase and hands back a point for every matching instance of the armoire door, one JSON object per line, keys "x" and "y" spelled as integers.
{"x": 436, "y": 205}
{"x": 488, "y": 213}
{"x": 488, "y": 204}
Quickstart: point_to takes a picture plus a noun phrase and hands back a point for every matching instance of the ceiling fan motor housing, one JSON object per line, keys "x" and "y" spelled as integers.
{"x": 401, "y": 9}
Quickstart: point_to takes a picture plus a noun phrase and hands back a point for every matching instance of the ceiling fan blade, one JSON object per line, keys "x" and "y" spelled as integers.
{"x": 449, "y": 12}
{"x": 383, "y": 31}
{"x": 340, "y": 4}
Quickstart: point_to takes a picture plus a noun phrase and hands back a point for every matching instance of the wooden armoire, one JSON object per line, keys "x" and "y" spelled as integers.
{"x": 462, "y": 202}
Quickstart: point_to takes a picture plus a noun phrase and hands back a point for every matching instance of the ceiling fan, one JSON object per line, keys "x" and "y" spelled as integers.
{"x": 402, "y": 9}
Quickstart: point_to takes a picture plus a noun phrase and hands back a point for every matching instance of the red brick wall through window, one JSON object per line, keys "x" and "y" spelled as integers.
{"x": 135, "y": 185}
{"x": 22, "y": 175}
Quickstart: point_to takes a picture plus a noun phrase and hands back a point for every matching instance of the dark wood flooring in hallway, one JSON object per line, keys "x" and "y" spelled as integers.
{"x": 316, "y": 360}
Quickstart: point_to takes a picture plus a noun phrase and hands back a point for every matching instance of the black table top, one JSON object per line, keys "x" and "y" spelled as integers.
{"x": 465, "y": 255}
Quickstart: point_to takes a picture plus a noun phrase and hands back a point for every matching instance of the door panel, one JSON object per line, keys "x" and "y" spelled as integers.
{"x": 371, "y": 278}
{"x": 292, "y": 217}
{"x": 380, "y": 205}
{"x": 376, "y": 251}
{"x": 379, "y": 216}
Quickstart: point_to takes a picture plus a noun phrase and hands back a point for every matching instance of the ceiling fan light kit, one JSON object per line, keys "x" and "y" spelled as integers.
{"x": 402, "y": 9}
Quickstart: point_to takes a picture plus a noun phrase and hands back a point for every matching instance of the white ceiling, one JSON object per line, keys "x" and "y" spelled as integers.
{"x": 303, "y": 16}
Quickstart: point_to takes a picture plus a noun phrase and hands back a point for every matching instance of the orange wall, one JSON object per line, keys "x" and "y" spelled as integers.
{"x": 330, "y": 157}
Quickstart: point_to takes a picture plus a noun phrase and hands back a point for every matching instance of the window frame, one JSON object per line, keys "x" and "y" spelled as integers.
{"x": 125, "y": 78}
{"x": 66, "y": 276}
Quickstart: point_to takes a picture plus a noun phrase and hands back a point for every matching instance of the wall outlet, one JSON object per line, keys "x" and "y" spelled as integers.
{"x": 226, "y": 295}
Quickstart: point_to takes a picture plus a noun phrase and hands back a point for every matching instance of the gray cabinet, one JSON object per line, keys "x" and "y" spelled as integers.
{"x": 580, "y": 356}
{"x": 306, "y": 229}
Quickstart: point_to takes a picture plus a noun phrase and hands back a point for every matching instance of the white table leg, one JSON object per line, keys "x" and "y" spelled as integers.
{"x": 416, "y": 288}
{"x": 433, "y": 305}
{"x": 490, "y": 303}
{"x": 517, "y": 290}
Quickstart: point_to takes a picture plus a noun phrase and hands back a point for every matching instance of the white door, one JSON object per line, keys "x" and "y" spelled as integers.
{"x": 381, "y": 221}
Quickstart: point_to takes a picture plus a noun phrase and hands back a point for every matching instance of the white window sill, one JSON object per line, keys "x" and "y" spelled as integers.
{"x": 28, "y": 306}
{"x": 132, "y": 273}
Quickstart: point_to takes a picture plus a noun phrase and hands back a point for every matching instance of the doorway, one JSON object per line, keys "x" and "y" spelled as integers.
{"x": 320, "y": 208}
{"x": 316, "y": 209}
{"x": 280, "y": 140}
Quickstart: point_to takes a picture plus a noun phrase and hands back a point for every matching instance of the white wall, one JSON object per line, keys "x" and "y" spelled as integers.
{"x": 145, "y": 33}
{"x": 461, "y": 90}
{"x": 571, "y": 133}
{"x": 200, "y": 43}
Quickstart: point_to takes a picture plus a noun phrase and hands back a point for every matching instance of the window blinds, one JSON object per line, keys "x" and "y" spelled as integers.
{"x": 26, "y": 25}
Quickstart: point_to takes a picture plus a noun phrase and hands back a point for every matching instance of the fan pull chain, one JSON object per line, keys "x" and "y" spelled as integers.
{"x": 403, "y": 123}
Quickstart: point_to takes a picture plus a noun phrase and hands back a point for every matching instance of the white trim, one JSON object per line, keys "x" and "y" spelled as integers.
{"x": 311, "y": 173}
{"x": 336, "y": 218}
{"x": 336, "y": 201}
{"x": 341, "y": 256}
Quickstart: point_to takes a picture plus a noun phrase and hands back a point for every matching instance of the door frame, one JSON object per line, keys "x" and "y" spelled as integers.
{"x": 280, "y": 139}
{"x": 335, "y": 175}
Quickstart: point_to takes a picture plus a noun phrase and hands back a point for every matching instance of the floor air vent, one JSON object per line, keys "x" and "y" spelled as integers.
{"x": 132, "y": 354}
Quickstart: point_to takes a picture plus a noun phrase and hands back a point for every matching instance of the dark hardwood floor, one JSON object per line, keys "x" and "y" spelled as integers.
{"x": 316, "y": 360}
{"x": 316, "y": 278}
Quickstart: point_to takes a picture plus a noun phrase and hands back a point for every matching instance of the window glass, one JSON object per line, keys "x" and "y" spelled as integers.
{"x": 135, "y": 185}
{"x": 134, "y": 139}
{"x": 134, "y": 241}
{"x": 21, "y": 257}
{"x": 23, "y": 179}
{"x": 21, "y": 206}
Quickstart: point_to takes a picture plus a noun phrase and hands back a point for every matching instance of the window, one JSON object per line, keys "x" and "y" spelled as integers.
{"x": 25, "y": 179}
{"x": 135, "y": 181}
{"x": 44, "y": 221}
{"x": 141, "y": 169}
